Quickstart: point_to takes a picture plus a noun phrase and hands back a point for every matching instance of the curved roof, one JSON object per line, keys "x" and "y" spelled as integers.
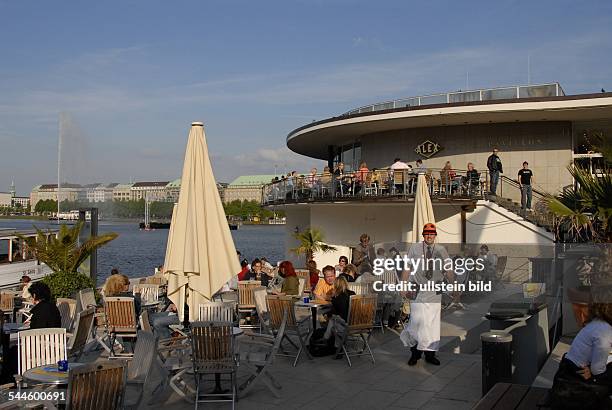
{"x": 251, "y": 180}
{"x": 313, "y": 139}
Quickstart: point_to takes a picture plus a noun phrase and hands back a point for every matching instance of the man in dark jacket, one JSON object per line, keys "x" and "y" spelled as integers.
{"x": 44, "y": 313}
{"x": 495, "y": 168}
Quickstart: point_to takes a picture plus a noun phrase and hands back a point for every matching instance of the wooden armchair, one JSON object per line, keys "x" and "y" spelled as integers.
{"x": 120, "y": 321}
{"x": 97, "y": 386}
{"x": 257, "y": 353}
{"x": 246, "y": 301}
{"x": 139, "y": 368}
{"x": 39, "y": 347}
{"x": 217, "y": 312}
{"x": 360, "y": 322}
{"x": 7, "y": 303}
{"x": 82, "y": 330}
{"x": 67, "y": 309}
{"x": 277, "y": 306}
{"x": 149, "y": 293}
{"x": 212, "y": 345}
{"x": 360, "y": 288}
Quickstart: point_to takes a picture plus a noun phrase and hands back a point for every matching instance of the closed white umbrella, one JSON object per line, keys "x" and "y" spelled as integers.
{"x": 200, "y": 255}
{"x": 423, "y": 210}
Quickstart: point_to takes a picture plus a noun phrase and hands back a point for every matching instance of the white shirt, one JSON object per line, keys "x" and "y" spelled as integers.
{"x": 399, "y": 165}
{"x": 592, "y": 346}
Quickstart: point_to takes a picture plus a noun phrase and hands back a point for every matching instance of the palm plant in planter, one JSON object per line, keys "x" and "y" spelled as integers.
{"x": 64, "y": 255}
{"x": 584, "y": 213}
{"x": 311, "y": 240}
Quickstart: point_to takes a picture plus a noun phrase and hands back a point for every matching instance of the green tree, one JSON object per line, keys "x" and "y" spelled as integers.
{"x": 311, "y": 240}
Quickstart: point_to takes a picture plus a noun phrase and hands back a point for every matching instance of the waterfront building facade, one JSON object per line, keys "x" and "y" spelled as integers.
{"x": 21, "y": 201}
{"x": 538, "y": 124}
{"x": 246, "y": 188}
{"x": 121, "y": 192}
{"x": 67, "y": 192}
{"x": 153, "y": 191}
{"x": 6, "y": 199}
{"x": 172, "y": 190}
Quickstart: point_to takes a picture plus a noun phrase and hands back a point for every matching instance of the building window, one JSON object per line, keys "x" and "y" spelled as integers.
{"x": 350, "y": 155}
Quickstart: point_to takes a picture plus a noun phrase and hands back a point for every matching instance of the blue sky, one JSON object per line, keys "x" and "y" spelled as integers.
{"x": 132, "y": 75}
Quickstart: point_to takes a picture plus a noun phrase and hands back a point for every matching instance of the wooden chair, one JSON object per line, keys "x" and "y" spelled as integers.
{"x": 246, "y": 301}
{"x": 217, "y": 312}
{"x": 360, "y": 323}
{"x": 262, "y": 309}
{"x": 7, "y": 303}
{"x": 360, "y": 288}
{"x": 120, "y": 321}
{"x": 82, "y": 330}
{"x": 257, "y": 353}
{"x": 155, "y": 280}
{"x": 306, "y": 276}
{"x": 277, "y": 305}
{"x": 149, "y": 293}
{"x": 67, "y": 309}
{"x": 212, "y": 345}
{"x": 140, "y": 367}
{"x": 39, "y": 347}
{"x": 97, "y": 386}
{"x": 398, "y": 180}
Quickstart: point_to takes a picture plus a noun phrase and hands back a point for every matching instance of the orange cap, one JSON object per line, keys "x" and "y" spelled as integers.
{"x": 429, "y": 228}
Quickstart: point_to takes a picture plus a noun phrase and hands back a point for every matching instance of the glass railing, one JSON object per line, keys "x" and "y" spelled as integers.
{"x": 376, "y": 184}
{"x": 485, "y": 94}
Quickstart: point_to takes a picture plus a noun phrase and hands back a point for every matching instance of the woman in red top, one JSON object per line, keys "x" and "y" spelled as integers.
{"x": 245, "y": 269}
{"x": 361, "y": 176}
{"x": 314, "y": 273}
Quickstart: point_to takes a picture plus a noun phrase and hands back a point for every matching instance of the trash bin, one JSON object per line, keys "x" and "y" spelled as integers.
{"x": 496, "y": 359}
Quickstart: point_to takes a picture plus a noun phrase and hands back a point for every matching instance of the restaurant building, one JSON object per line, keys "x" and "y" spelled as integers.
{"x": 539, "y": 124}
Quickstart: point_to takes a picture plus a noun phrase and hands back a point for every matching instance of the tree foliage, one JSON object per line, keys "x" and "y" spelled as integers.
{"x": 311, "y": 240}
{"x": 62, "y": 253}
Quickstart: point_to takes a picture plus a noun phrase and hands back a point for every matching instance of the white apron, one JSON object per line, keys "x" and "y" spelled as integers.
{"x": 423, "y": 328}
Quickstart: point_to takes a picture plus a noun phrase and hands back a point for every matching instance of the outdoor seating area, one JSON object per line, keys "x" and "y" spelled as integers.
{"x": 375, "y": 184}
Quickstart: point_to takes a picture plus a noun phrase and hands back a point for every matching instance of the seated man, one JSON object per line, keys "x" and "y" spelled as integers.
{"x": 325, "y": 287}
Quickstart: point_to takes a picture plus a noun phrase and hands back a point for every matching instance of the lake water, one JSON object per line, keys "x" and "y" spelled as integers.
{"x": 136, "y": 253}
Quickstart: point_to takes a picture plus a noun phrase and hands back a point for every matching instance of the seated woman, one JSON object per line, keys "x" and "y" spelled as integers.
{"x": 291, "y": 283}
{"x": 119, "y": 286}
{"x": 338, "y": 316}
{"x": 44, "y": 313}
{"x": 342, "y": 262}
{"x": 313, "y": 273}
{"x": 584, "y": 378}
{"x": 256, "y": 273}
{"x": 350, "y": 273}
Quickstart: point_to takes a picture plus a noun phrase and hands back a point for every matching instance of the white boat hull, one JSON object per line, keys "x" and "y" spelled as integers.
{"x": 11, "y": 273}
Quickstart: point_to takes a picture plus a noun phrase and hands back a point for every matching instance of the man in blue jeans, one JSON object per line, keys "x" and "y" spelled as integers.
{"x": 494, "y": 165}
{"x": 525, "y": 178}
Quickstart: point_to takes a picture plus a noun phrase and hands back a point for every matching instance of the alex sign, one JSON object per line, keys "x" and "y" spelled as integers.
{"x": 428, "y": 148}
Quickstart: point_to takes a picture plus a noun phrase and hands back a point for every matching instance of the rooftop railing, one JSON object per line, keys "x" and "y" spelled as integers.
{"x": 485, "y": 94}
{"x": 374, "y": 185}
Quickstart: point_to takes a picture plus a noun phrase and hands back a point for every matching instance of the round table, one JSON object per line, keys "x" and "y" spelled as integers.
{"x": 48, "y": 374}
{"x": 313, "y": 305}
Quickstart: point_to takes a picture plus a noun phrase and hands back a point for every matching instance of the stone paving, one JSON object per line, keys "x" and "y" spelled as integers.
{"x": 325, "y": 383}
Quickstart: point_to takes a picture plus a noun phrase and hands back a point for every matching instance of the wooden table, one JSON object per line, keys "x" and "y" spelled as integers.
{"x": 313, "y": 305}
{"x": 513, "y": 396}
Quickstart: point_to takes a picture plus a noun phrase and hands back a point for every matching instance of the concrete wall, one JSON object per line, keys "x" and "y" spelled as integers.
{"x": 546, "y": 146}
{"x": 391, "y": 225}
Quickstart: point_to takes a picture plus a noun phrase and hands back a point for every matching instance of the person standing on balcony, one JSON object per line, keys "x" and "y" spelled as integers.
{"x": 402, "y": 168}
{"x": 495, "y": 168}
{"x": 525, "y": 178}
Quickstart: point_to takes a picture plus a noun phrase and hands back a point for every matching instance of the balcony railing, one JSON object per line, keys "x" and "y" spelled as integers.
{"x": 374, "y": 185}
{"x": 485, "y": 94}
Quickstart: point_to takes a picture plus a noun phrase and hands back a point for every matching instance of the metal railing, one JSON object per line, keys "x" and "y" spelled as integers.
{"x": 484, "y": 94}
{"x": 509, "y": 191}
{"x": 376, "y": 184}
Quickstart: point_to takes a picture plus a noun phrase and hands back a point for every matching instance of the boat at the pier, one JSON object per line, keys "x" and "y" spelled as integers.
{"x": 16, "y": 260}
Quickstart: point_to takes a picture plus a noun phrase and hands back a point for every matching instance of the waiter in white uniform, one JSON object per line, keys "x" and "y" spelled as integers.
{"x": 422, "y": 333}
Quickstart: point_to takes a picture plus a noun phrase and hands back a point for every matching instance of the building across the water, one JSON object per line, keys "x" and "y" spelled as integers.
{"x": 246, "y": 188}
{"x": 539, "y": 124}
